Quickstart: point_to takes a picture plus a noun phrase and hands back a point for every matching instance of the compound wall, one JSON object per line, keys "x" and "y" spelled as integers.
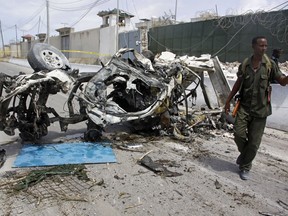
{"x": 229, "y": 38}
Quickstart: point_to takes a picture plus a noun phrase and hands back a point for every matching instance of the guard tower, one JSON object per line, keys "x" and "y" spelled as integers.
{"x": 109, "y": 19}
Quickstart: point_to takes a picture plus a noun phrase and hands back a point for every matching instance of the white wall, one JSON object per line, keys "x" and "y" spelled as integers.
{"x": 108, "y": 42}
{"x": 15, "y": 50}
{"x": 100, "y": 42}
{"x": 85, "y": 46}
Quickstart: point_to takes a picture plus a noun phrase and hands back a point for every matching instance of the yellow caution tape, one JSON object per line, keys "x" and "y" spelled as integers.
{"x": 7, "y": 52}
{"x": 85, "y": 52}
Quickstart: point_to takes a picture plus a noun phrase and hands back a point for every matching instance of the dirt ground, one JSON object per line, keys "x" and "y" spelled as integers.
{"x": 207, "y": 182}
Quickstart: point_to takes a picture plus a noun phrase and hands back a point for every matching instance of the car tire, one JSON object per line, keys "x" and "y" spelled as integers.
{"x": 43, "y": 56}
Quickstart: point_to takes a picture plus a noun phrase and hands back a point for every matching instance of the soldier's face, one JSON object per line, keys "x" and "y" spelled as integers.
{"x": 277, "y": 54}
{"x": 260, "y": 47}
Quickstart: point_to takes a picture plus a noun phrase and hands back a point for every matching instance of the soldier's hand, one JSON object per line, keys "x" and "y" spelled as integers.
{"x": 227, "y": 107}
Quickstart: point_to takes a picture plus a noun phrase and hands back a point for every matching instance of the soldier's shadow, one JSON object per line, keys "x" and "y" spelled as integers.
{"x": 219, "y": 164}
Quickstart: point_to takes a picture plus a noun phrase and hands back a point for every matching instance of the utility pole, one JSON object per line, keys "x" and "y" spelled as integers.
{"x": 2, "y": 39}
{"x": 16, "y": 41}
{"x": 117, "y": 26}
{"x": 175, "y": 10}
{"x": 48, "y": 24}
{"x": 39, "y": 22}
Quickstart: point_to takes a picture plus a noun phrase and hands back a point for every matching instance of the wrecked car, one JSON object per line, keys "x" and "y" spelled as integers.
{"x": 126, "y": 89}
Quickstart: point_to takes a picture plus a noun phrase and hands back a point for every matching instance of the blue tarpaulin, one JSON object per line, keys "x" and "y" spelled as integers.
{"x": 64, "y": 153}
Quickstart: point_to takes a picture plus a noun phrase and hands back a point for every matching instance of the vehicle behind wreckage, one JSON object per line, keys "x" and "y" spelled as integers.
{"x": 124, "y": 90}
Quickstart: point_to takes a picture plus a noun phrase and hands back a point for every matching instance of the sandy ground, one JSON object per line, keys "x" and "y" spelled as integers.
{"x": 209, "y": 183}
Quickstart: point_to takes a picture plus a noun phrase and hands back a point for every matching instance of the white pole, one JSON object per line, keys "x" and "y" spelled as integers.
{"x": 3, "y": 46}
{"x": 48, "y": 24}
{"x": 175, "y": 11}
{"x": 117, "y": 26}
{"x": 16, "y": 41}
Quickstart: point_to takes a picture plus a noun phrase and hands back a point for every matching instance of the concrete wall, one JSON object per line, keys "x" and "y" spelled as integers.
{"x": 25, "y": 46}
{"x": 55, "y": 41}
{"x": 15, "y": 50}
{"x": 5, "y": 52}
{"x": 108, "y": 42}
{"x": 85, "y": 46}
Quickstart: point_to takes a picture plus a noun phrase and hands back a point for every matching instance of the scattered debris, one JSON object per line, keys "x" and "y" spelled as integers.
{"x": 283, "y": 204}
{"x": 266, "y": 214}
{"x": 133, "y": 206}
{"x": 178, "y": 192}
{"x": 118, "y": 178}
{"x": 217, "y": 184}
{"x": 36, "y": 176}
{"x": 124, "y": 195}
{"x": 134, "y": 147}
{"x": 2, "y": 157}
{"x": 157, "y": 167}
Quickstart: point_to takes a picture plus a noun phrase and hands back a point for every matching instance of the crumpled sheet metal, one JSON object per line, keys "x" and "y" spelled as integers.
{"x": 157, "y": 167}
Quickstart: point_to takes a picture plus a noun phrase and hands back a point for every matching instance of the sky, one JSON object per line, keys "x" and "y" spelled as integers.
{"x": 18, "y": 17}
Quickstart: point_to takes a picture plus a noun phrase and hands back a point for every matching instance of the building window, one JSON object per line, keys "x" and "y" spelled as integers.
{"x": 121, "y": 21}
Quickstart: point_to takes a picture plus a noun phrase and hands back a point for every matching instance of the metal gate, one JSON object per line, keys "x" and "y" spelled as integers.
{"x": 130, "y": 40}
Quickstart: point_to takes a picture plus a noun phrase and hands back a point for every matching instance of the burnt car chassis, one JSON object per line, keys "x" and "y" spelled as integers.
{"x": 124, "y": 90}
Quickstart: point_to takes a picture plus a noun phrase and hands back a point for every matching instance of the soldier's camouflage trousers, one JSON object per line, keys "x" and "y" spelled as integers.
{"x": 248, "y": 132}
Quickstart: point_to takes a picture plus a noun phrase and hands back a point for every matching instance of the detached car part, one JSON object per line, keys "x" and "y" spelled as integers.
{"x": 23, "y": 98}
{"x": 24, "y": 105}
{"x": 43, "y": 57}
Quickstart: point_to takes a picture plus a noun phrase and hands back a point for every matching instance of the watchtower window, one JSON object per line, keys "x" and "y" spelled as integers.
{"x": 106, "y": 20}
{"x": 122, "y": 21}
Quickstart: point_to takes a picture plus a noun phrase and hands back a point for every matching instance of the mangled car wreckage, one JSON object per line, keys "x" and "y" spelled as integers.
{"x": 124, "y": 90}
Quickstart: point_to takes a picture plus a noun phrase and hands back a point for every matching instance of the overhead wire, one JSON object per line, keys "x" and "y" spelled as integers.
{"x": 213, "y": 55}
{"x": 33, "y": 16}
{"x": 126, "y": 36}
{"x": 29, "y": 19}
{"x": 32, "y": 27}
{"x": 86, "y": 6}
{"x": 96, "y": 3}
{"x": 43, "y": 23}
{"x": 136, "y": 11}
{"x": 127, "y": 9}
{"x": 53, "y": 5}
{"x": 286, "y": 2}
{"x": 69, "y": 2}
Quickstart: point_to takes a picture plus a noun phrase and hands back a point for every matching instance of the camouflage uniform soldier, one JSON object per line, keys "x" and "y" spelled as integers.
{"x": 253, "y": 84}
{"x": 276, "y": 53}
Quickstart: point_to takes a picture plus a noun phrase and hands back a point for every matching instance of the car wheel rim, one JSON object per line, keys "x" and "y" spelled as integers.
{"x": 51, "y": 59}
